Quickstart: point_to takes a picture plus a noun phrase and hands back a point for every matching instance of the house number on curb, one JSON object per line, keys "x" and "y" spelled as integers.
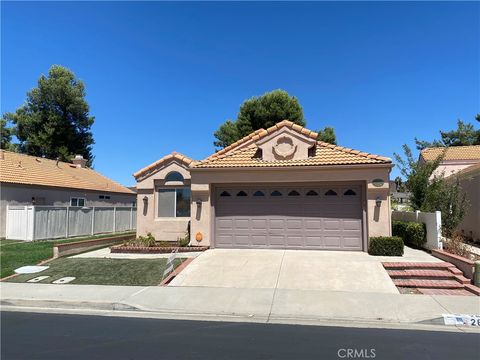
{"x": 461, "y": 319}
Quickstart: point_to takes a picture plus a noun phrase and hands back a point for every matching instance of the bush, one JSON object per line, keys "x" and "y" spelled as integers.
{"x": 184, "y": 241}
{"x": 386, "y": 246}
{"x": 412, "y": 233}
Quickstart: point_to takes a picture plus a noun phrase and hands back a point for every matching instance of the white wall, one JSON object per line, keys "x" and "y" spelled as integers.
{"x": 432, "y": 221}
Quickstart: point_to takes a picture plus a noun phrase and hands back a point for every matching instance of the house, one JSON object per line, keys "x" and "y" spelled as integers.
{"x": 455, "y": 158}
{"x": 31, "y": 180}
{"x": 463, "y": 161}
{"x": 400, "y": 197}
{"x": 275, "y": 188}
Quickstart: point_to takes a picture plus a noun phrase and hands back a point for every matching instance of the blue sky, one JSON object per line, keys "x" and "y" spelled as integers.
{"x": 163, "y": 76}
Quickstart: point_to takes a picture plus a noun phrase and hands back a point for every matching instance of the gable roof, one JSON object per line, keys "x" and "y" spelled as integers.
{"x": 24, "y": 169}
{"x": 261, "y": 133}
{"x": 173, "y": 156}
{"x": 325, "y": 154}
{"x": 471, "y": 152}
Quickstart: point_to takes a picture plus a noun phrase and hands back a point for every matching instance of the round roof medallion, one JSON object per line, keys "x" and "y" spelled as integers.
{"x": 284, "y": 148}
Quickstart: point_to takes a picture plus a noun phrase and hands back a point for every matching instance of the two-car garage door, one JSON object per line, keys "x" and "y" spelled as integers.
{"x": 309, "y": 217}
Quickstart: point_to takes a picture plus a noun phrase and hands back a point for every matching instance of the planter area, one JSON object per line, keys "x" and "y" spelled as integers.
{"x": 128, "y": 249}
{"x": 464, "y": 264}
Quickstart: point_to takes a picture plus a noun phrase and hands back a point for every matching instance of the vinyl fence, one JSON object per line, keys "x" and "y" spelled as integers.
{"x": 31, "y": 223}
{"x": 432, "y": 221}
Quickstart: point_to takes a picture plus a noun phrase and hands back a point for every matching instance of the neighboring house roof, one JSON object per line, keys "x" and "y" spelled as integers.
{"x": 471, "y": 152}
{"x": 325, "y": 154}
{"x": 24, "y": 169}
{"x": 173, "y": 156}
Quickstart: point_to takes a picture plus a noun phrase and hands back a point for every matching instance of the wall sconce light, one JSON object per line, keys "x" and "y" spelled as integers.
{"x": 198, "y": 202}
{"x": 378, "y": 201}
{"x": 145, "y": 200}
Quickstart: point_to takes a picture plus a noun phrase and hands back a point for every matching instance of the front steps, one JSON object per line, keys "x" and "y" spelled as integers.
{"x": 432, "y": 278}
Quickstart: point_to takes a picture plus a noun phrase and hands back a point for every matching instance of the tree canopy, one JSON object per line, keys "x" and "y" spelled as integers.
{"x": 54, "y": 122}
{"x": 464, "y": 135}
{"x": 263, "y": 112}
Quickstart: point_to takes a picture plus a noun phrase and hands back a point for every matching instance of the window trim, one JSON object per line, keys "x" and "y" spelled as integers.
{"x": 78, "y": 198}
{"x": 174, "y": 188}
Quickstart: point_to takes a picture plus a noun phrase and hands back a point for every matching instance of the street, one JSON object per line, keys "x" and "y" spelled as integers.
{"x": 53, "y": 336}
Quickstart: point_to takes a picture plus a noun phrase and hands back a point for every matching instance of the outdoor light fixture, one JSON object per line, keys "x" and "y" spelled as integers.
{"x": 378, "y": 201}
{"x": 145, "y": 200}
{"x": 198, "y": 202}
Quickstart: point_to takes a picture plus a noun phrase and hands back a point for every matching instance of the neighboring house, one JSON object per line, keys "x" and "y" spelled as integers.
{"x": 470, "y": 182}
{"x": 275, "y": 188}
{"x": 463, "y": 161}
{"x": 401, "y": 198}
{"x": 31, "y": 180}
{"x": 455, "y": 158}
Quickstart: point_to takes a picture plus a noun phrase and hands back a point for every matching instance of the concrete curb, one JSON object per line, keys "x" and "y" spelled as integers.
{"x": 128, "y": 310}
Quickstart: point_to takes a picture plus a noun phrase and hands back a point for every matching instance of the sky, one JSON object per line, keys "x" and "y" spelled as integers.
{"x": 162, "y": 77}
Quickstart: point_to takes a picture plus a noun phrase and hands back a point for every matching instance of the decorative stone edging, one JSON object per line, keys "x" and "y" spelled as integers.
{"x": 122, "y": 249}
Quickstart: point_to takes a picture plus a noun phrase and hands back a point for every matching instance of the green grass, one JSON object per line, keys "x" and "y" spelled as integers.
{"x": 14, "y": 254}
{"x": 143, "y": 272}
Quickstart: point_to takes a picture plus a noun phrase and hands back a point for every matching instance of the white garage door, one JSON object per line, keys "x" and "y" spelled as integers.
{"x": 315, "y": 217}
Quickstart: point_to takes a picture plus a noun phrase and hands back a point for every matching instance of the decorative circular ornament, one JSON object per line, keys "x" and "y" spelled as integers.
{"x": 198, "y": 236}
{"x": 378, "y": 182}
{"x": 284, "y": 147}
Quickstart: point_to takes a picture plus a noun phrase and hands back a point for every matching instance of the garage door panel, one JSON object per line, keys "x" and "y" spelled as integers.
{"x": 303, "y": 221}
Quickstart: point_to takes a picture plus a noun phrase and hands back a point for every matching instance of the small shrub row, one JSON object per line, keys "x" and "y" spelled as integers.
{"x": 386, "y": 246}
{"x": 146, "y": 241}
{"x": 412, "y": 233}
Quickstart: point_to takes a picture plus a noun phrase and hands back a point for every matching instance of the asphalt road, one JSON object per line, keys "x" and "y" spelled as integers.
{"x": 51, "y": 336}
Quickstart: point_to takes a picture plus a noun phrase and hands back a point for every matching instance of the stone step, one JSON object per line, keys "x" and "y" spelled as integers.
{"x": 459, "y": 292}
{"x": 433, "y": 274}
{"x": 432, "y": 284}
{"x": 442, "y": 265}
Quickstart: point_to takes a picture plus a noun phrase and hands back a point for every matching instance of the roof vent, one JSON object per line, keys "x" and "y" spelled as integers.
{"x": 79, "y": 161}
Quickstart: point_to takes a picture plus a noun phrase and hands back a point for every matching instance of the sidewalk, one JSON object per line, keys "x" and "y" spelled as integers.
{"x": 243, "y": 304}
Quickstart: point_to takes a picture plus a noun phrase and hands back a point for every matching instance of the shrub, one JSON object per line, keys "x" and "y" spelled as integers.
{"x": 456, "y": 245}
{"x": 412, "y": 233}
{"x": 184, "y": 241}
{"x": 386, "y": 246}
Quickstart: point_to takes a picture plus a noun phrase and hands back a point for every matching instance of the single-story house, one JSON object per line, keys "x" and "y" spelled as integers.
{"x": 31, "y": 180}
{"x": 463, "y": 161}
{"x": 275, "y": 188}
{"x": 455, "y": 158}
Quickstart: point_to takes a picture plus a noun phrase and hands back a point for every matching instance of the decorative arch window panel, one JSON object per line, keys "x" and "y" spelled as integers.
{"x": 174, "y": 202}
{"x": 174, "y": 176}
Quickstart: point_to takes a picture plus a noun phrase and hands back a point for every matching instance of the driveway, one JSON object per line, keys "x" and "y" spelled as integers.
{"x": 293, "y": 270}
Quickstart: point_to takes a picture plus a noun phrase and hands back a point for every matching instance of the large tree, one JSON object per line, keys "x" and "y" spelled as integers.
{"x": 464, "y": 135}
{"x": 54, "y": 122}
{"x": 5, "y": 135}
{"x": 263, "y": 112}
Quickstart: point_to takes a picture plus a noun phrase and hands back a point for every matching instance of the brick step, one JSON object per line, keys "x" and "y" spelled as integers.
{"x": 432, "y": 284}
{"x": 417, "y": 265}
{"x": 473, "y": 289}
{"x": 460, "y": 292}
{"x": 428, "y": 275}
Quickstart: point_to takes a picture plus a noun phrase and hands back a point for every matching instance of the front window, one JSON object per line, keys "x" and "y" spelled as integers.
{"x": 174, "y": 202}
{"x": 77, "y": 201}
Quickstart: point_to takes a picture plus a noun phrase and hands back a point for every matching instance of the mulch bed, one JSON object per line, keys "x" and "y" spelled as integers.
{"x": 124, "y": 249}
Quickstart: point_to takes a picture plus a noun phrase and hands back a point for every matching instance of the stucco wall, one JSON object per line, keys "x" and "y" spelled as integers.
{"x": 450, "y": 167}
{"x": 470, "y": 225}
{"x": 163, "y": 229}
{"x": 11, "y": 194}
{"x": 378, "y": 218}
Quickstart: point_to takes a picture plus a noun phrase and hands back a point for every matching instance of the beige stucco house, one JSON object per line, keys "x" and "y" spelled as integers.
{"x": 31, "y": 180}
{"x": 463, "y": 161}
{"x": 275, "y": 188}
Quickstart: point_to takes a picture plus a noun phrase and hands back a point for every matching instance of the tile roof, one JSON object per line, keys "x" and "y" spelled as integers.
{"x": 174, "y": 155}
{"x": 471, "y": 152}
{"x": 31, "y": 170}
{"x": 325, "y": 154}
{"x": 261, "y": 133}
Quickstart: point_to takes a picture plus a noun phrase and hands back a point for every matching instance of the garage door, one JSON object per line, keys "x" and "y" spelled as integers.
{"x": 315, "y": 217}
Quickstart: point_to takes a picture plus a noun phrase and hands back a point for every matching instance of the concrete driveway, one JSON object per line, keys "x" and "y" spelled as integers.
{"x": 293, "y": 269}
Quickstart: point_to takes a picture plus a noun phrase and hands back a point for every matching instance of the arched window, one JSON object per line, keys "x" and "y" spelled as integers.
{"x": 174, "y": 176}
{"x": 258, "y": 193}
{"x": 242, "y": 193}
{"x": 330, "y": 193}
{"x": 312, "y": 193}
{"x": 276, "y": 193}
{"x": 224, "y": 193}
{"x": 294, "y": 193}
{"x": 350, "y": 192}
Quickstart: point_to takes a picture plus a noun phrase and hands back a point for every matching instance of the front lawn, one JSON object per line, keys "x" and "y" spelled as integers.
{"x": 14, "y": 254}
{"x": 143, "y": 272}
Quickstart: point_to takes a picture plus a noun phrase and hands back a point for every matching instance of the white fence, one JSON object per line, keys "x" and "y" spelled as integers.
{"x": 52, "y": 222}
{"x": 432, "y": 221}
